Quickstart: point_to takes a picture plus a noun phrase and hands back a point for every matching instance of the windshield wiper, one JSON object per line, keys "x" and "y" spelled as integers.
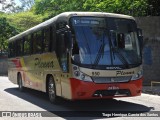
{"x": 122, "y": 58}
{"x": 86, "y": 42}
{"x": 100, "y": 52}
{"x": 113, "y": 50}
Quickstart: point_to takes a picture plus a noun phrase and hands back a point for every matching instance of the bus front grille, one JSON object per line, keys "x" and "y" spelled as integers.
{"x": 120, "y": 92}
{"x": 111, "y": 79}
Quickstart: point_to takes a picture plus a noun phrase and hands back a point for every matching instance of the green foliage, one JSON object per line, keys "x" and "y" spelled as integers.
{"x": 12, "y": 24}
{"x": 6, "y": 32}
{"x": 129, "y": 7}
{"x": 24, "y": 20}
{"x": 51, "y": 8}
{"x": 54, "y": 7}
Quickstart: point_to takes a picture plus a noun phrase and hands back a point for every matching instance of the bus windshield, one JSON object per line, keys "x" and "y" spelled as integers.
{"x": 105, "y": 41}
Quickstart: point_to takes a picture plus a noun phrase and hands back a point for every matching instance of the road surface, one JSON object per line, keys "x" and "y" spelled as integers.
{"x": 32, "y": 104}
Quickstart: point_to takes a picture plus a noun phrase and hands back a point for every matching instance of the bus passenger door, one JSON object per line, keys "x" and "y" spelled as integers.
{"x": 63, "y": 56}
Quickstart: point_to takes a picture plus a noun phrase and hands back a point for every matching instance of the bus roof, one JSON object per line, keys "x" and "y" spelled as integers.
{"x": 66, "y": 16}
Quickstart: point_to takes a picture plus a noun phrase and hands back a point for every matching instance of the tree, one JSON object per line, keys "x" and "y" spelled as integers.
{"x": 54, "y": 7}
{"x": 6, "y": 32}
{"x": 24, "y": 20}
{"x": 153, "y": 7}
{"x": 51, "y": 8}
{"x": 129, "y": 7}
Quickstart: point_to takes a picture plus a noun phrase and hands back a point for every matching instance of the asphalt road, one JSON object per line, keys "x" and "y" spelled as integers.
{"x": 32, "y": 104}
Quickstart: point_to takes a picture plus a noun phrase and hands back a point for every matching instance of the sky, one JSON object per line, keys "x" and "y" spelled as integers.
{"x": 17, "y": 2}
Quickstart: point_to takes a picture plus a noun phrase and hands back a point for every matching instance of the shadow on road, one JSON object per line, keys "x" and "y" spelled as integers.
{"x": 91, "y": 108}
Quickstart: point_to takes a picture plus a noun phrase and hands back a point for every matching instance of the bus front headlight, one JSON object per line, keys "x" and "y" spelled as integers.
{"x": 85, "y": 77}
{"x": 81, "y": 76}
{"x": 138, "y": 75}
{"x": 76, "y": 73}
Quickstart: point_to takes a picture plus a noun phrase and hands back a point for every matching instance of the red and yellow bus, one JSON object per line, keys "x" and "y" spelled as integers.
{"x": 79, "y": 55}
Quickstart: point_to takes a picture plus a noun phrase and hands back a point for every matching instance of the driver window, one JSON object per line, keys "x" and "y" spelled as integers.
{"x": 62, "y": 51}
{"x": 75, "y": 50}
{"x": 121, "y": 40}
{"x": 61, "y": 45}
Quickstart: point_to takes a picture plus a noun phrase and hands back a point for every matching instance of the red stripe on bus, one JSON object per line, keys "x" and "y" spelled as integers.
{"x": 85, "y": 90}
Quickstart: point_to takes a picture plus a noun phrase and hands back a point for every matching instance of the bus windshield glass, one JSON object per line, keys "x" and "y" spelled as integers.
{"x": 105, "y": 41}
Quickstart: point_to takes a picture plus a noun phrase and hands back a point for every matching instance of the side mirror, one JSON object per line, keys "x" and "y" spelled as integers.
{"x": 121, "y": 40}
{"x": 69, "y": 42}
{"x": 68, "y": 39}
{"x": 61, "y": 43}
{"x": 140, "y": 37}
{"x": 117, "y": 39}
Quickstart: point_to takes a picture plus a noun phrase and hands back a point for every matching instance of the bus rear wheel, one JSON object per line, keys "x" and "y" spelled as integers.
{"x": 20, "y": 83}
{"x": 52, "y": 90}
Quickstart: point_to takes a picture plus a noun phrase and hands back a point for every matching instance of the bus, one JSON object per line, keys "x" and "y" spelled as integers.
{"x": 78, "y": 56}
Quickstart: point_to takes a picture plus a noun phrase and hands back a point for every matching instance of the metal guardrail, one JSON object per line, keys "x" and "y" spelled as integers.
{"x": 154, "y": 82}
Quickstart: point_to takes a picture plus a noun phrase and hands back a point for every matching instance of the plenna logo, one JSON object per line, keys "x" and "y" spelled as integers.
{"x": 120, "y": 72}
{"x": 43, "y": 64}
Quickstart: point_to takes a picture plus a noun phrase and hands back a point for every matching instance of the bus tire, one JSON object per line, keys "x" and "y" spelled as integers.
{"x": 20, "y": 83}
{"x": 53, "y": 98}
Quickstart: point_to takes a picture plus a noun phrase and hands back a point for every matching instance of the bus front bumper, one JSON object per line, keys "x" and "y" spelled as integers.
{"x": 90, "y": 90}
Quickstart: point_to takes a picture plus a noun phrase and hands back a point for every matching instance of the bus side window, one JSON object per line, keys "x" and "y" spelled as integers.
{"x": 33, "y": 42}
{"x": 19, "y": 48}
{"x": 61, "y": 45}
{"x": 38, "y": 46}
{"x": 46, "y": 39}
{"x": 11, "y": 50}
{"x": 52, "y": 38}
{"x": 62, "y": 51}
{"x": 27, "y": 45}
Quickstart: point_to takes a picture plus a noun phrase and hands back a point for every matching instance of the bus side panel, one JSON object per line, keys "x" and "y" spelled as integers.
{"x": 66, "y": 86}
{"x": 30, "y": 75}
{"x": 12, "y": 75}
{"x": 37, "y": 67}
{"x": 47, "y": 64}
{"x": 14, "y": 66}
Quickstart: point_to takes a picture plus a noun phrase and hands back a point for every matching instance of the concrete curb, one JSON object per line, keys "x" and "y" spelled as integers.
{"x": 155, "y": 90}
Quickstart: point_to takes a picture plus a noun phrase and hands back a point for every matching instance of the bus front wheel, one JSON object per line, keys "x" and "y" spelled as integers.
{"x": 52, "y": 90}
